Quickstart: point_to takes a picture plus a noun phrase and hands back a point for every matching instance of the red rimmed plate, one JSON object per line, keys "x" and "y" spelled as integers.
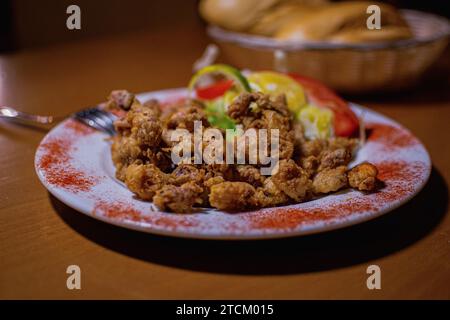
{"x": 74, "y": 164}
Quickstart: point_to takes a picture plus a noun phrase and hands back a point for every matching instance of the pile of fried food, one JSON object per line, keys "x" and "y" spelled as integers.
{"x": 306, "y": 20}
{"x": 307, "y": 168}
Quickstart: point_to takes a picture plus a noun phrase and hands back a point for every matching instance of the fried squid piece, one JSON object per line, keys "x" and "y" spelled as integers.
{"x": 145, "y": 124}
{"x": 313, "y": 147}
{"x": 250, "y": 174}
{"x": 184, "y": 173}
{"x": 124, "y": 151}
{"x": 330, "y": 180}
{"x": 309, "y": 165}
{"x": 180, "y": 199}
{"x": 258, "y": 111}
{"x": 363, "y": 177}
{"x": 269, "y": 195}
{"x": 232, "y": 196}
{"x": 120, "y": 99}
{"x": 292, "y": 180}
{"x": 334, "y": 158}
{"x": 240, "y": 108}
{"x": 185, "y": 116}
{"x": 145, "y": 180}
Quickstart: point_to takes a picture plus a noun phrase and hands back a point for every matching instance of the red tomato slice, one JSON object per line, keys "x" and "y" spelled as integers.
{"x": 215, "y": 90}
{"x": 345, "y": 121}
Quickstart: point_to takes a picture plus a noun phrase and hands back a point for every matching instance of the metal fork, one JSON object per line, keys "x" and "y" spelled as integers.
{"x": 95, "y": 117}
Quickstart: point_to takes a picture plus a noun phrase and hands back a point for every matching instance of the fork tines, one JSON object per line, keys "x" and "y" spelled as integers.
{"x": 98, "y": 119}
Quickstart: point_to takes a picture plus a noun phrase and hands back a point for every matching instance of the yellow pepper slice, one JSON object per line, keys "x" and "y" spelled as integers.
{"x": 275, "y": 83}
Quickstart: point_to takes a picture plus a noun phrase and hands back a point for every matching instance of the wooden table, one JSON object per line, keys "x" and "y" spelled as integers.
{"x": 40, "y": 236}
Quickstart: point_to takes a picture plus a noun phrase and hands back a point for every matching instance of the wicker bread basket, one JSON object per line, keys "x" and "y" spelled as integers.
{"x": 355, "y": 68}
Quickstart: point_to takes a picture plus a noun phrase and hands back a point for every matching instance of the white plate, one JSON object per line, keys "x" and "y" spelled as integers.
{"x": 74, "y": 164}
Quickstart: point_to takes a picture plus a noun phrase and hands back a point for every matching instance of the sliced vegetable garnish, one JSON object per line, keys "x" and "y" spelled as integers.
{"x": 306, "y": 98}
{"x": 221, "y": 94}
{"x": 346, "y": 123}
{"x": 317, "y": 122}
{"x": 215, "y": 90}
{"x": 228, "y": 72}
{"x": 277, "y": 83}
{"x": 217, "y": 116}
{"x": 217, "y": 108}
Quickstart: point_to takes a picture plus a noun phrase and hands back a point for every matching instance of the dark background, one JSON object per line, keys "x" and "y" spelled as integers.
{"x": 30, "y": 23}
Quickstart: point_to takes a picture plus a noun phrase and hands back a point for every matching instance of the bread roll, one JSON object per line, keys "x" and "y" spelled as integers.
{"x": 283, "y": 14}
{"x": 345, "y": 22}
{"x": 237, "y": 15}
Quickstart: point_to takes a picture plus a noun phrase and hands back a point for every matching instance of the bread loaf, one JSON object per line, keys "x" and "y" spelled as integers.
{"x": 345, "y": 22}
